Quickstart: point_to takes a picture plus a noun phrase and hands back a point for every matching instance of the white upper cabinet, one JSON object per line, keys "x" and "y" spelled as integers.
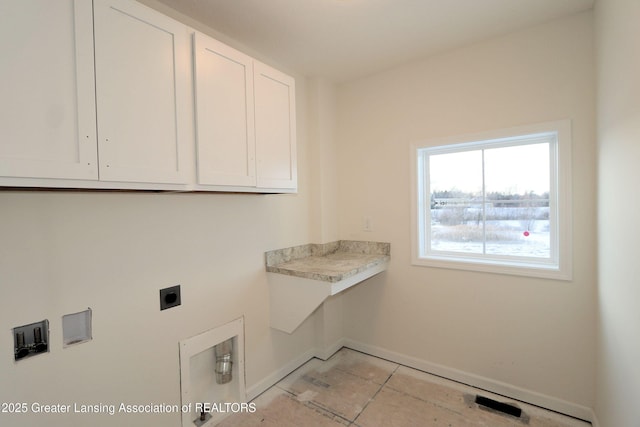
{"x": 99, "y": 94}
{"x": 47, "y": 105}
{"x": 142, "y": 63}
{"x": 225, "y": 137}
{"x": 275, "y": 128}
{"x": 245, "y": 115}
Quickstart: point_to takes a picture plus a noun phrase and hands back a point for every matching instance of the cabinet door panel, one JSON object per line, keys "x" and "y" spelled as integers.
{"x": 141, "y": 60}
{"x": 47, "y": 113}
{"x": 224, "y": 112}
{"x": 275, "y": 128}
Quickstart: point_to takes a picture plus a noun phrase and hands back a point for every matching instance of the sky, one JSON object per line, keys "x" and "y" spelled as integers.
{"x": 515, "y": 170}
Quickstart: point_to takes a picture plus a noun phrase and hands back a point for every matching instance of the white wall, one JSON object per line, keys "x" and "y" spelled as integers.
{"x": 322, "y": 107}
{"x": 618, "y": 60}
{"x": 62, "y": 252}
{"x": 529, "y": 335}
{"x": 324, "y": 207}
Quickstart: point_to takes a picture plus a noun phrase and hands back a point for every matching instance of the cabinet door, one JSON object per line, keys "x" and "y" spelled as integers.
{"x": 47, "y": 105}
{"x": 142, "y": 60}
{"x": 224, "y": 114}
{"x": 275, "y": 128}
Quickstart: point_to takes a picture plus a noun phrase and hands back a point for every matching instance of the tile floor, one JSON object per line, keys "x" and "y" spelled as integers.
{"x": 355, "y": 389}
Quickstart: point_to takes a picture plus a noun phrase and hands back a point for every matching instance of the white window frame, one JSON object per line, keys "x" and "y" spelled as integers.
{"x": 559, "y": 266}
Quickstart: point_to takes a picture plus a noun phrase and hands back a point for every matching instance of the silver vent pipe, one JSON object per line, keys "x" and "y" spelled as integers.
{"x": 224, "y": 361}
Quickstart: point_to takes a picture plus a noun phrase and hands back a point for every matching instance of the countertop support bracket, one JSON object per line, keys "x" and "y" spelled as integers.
{"x": 302, "y": 277}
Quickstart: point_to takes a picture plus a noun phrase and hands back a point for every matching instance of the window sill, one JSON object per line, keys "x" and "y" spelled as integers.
{"x": 515, "y": 268}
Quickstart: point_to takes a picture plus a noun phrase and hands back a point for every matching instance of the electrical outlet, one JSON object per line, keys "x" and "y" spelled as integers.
{"x": 30, "y": 340}
{"x": 170, "y": 297}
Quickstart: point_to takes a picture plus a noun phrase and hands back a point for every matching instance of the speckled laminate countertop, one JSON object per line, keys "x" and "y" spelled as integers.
{"x": 329, "y": 262}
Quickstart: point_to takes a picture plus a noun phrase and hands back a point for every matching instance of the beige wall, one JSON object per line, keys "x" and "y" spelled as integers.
{"x": 530, "y": 335}
{"x": 618, "y": 47}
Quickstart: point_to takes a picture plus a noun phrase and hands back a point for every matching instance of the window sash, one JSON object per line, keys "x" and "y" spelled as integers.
{"x": 557, "y": 264}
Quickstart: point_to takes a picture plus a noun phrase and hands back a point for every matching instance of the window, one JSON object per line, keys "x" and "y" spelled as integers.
{"x": 497, "y": 202}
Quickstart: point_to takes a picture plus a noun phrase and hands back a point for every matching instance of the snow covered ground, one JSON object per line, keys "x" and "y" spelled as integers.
{"x": 530, "y": 238}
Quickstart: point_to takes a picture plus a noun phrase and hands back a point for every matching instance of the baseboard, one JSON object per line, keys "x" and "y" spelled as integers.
{"x": 497, "y": 387}
{"x": 271, "y": 379}
{"x": 326, "y": 353}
